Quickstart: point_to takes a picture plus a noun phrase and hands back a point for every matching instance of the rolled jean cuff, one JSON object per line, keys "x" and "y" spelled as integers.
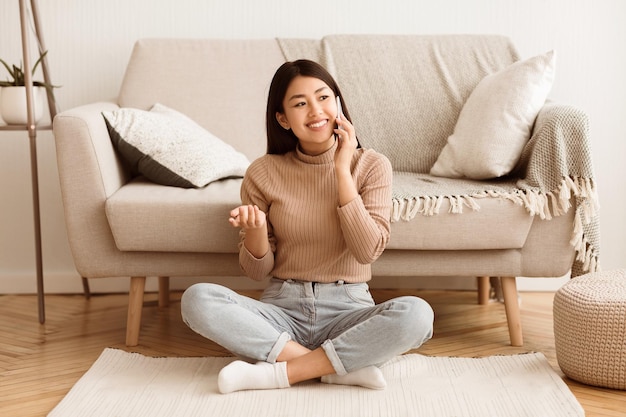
{"x": 278, "y": 347}
{"x": 333, "y": 357}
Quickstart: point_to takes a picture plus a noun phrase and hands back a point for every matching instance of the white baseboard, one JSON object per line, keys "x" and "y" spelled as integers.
{"x": 70, "y": 283}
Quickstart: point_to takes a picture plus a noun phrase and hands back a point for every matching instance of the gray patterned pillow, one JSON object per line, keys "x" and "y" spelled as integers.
{"x": 169, "y": 148}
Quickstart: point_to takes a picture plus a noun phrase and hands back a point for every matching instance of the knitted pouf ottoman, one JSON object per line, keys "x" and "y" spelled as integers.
{"x": 590, "y": 328}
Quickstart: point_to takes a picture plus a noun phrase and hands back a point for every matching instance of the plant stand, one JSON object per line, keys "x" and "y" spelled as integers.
{"x": 31, "y": 127}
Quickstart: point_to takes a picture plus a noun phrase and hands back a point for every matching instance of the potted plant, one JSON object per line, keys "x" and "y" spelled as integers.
{"x": 13, "y": 94}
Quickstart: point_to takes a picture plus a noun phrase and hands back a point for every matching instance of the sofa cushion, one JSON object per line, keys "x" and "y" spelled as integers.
{"x": 169, "y": 148}
{"x": 496, "y": 121}
{"x": 405, "y": 92}
{"x": 222, "y": 84}
{"x": 498, "y": 224}
{"x": 149, "y": 217}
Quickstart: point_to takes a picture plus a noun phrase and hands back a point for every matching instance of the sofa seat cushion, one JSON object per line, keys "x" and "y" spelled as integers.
{"x": 436, "y": 213}
{"x": 497, "y": 224}
{"x": 149, "y": 217}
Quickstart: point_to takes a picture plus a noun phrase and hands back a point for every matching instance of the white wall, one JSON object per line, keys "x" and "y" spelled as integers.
{"x": 90, "y": 42}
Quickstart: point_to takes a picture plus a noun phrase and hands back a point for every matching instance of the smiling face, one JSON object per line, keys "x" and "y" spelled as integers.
{"x": 310, "y": 112}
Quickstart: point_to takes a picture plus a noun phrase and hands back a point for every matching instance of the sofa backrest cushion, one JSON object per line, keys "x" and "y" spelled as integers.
{"x": 220, "y": 84}
{"x": 405, "y": 92}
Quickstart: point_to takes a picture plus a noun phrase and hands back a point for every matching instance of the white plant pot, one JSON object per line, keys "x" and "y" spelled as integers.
{"x": 13, "y": 104}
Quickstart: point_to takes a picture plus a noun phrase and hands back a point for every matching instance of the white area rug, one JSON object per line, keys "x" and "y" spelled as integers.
{"x": 129, "y": 384}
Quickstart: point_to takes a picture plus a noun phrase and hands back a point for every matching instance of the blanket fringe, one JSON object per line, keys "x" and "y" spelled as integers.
{"x": 545, "y": 205}
{"x": 554, "y": 203}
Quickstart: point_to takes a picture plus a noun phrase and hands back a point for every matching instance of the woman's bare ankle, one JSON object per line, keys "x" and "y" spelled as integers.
{"x": 310, "y": 366}
{"x": 291, "y": 351}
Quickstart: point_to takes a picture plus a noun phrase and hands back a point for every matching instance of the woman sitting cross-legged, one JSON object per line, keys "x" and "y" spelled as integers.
{"x": 314, "y": 216}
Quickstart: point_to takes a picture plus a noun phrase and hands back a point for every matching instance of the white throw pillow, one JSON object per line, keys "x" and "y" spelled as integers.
{"x": 169, "y": 148}
{"x": 496, "y": 121}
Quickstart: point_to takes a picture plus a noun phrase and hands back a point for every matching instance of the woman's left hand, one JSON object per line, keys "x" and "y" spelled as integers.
{"x": 347, "y": 143}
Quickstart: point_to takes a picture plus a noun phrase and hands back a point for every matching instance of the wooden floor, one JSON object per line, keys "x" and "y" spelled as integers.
{"x": 40, "y": 363}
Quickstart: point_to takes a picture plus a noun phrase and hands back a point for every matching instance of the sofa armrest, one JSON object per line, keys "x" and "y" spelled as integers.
{"x": 556, "y": 164}
{"x": 560, "y": 138}
{"x": 85, "y": 153}
{"x": 89, "y": 172}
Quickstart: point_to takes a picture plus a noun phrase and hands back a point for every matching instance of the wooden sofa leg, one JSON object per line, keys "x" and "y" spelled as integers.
{"x": 86, "y": 289}
{"x": 164, "y": 291}
{"x": 483, "y": 290}
{"x": 135, "y": 306}
{"x": 511, "y": 306}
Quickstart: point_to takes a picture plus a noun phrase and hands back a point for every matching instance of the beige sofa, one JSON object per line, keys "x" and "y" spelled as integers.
{"x": 120, "y": 225}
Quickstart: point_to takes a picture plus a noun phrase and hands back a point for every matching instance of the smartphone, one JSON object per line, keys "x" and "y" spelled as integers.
{"x": 339, "y": 111}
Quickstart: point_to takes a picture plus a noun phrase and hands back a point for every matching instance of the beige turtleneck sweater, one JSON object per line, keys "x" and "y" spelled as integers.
{"x": 312, "y": 238}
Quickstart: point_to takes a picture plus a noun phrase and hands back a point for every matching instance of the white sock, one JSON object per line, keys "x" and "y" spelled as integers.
{"x": 240, "y": 375}
{"x": 369, "y": 377}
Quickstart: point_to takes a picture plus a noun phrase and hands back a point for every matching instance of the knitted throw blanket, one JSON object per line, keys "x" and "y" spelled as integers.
{"x": 405, "y": 94}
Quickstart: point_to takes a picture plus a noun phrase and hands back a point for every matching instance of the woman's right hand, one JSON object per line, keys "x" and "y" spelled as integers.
{"x": 247, "y": 217}
{"x": 252, "y": 220}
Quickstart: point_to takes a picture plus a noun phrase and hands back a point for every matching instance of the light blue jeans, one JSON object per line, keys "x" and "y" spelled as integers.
{"x": 341, "y": 318}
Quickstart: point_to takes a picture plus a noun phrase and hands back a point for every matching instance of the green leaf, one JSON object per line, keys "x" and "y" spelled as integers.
{"x": 38, "y": 62}
{"x": 8, "y": 69}
{"x": 18, "y": 76}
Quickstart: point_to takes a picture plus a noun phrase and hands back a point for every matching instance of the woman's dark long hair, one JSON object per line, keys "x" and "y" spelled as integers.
{"x": 280, "y": 140}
